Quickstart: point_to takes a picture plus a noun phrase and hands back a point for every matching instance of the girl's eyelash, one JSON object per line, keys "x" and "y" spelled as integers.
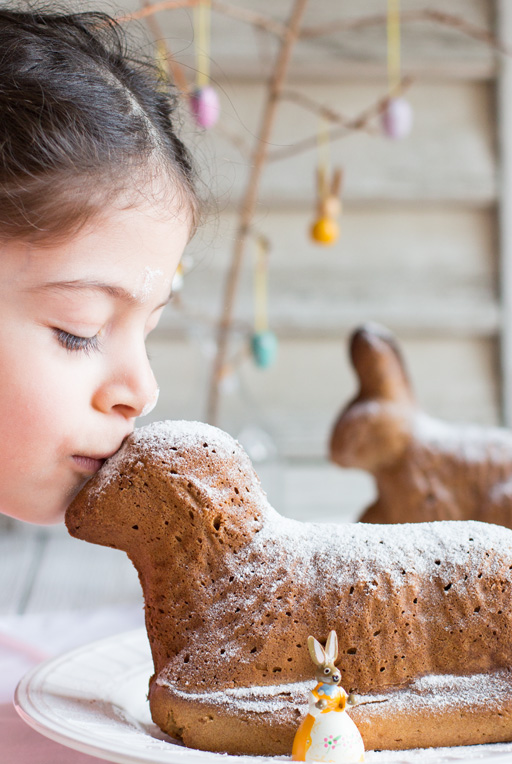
{"x": 76, "y": 344}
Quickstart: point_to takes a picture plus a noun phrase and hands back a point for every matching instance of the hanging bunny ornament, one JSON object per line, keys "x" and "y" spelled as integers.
{"x": 327, "y": 734}
{"x": 326, "y": 229}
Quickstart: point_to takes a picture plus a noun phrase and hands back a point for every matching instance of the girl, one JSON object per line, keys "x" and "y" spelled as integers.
{"x": 96, "y": 206}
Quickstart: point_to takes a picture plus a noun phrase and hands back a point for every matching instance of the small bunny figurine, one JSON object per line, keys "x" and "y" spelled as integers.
{"x": 327, "y": 733}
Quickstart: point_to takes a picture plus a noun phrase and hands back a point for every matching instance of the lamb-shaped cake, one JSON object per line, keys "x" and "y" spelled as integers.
{"x": 424, "y": 469}
{"x": 232, "y": 591}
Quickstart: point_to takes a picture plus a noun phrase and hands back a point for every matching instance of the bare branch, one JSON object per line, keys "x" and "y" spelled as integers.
{"x": 249, "y": 200}
{"x": 323, "y": 111}
{"x": 257, "y": 20}
{"x": 360, "y": 122}
{"x": 174, "y": 70}
{"x": 427, "y": 14}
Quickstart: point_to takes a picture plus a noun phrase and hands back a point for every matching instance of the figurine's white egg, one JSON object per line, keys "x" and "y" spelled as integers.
{"x": 335, "y": 739}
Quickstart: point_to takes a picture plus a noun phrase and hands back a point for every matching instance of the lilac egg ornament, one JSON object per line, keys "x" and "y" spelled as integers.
{"x": 397, "y": 118}
{"x": 205, "y": 106}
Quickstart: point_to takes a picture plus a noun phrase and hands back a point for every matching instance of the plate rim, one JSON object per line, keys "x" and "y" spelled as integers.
{"x": 51, "y": 729}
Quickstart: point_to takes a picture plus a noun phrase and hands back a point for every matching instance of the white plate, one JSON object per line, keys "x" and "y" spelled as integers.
{"x": 93, "y": 699}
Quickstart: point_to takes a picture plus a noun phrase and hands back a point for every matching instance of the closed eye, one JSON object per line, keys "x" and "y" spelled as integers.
{"x": 77, "y": 344}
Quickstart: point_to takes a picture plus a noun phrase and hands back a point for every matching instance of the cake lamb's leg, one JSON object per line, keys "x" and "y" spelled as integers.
{"x": 233, "y": 590}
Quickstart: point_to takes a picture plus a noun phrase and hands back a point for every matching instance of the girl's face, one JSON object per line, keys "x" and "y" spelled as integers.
{"x": 74, "y": 372}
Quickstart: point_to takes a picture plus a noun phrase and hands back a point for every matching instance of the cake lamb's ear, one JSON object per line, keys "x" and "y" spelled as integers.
{"x": 316, "y": 652}
{"x": 331, "y": 646}
{"x": 379, "y": 365}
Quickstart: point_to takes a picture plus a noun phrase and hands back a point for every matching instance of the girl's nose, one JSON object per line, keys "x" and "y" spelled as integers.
{"x": 130, "y": 389}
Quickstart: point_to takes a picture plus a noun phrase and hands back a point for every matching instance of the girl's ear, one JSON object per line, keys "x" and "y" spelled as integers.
{"x": 331, "y": 646}
{"x": 378, "y": 363}
{"x": 316, "y": 652}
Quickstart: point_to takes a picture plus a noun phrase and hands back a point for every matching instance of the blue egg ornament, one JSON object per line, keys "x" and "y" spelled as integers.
{"x": 264, "y": 348}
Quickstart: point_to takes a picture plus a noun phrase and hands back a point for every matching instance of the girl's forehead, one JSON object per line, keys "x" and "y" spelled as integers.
{"x": 135, "y": 248}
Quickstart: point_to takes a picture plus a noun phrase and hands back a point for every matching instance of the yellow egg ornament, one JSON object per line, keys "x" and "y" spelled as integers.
{"x": 325, "y": 231}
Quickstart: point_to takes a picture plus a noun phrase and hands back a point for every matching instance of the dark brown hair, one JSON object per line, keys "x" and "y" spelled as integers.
{"x": 82, "y": 123}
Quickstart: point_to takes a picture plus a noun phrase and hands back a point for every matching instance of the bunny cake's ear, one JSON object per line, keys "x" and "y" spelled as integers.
{"x": 331, "y": 646}
{"x": 379, "y": 365}
{"x": 316, "y": 651}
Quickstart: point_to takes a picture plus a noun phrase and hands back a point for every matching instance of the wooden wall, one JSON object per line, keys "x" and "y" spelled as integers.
{"x": 419, "y": 250}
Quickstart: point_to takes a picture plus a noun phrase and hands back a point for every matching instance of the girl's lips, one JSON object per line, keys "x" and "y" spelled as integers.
{"x": 88, "y": 464}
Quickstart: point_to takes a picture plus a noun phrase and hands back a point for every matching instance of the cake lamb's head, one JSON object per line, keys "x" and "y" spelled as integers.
{"x": 186, "y": 466}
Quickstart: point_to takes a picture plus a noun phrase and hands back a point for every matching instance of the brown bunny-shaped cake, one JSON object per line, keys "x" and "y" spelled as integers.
{"x": 424, "y": 469}
{"x": 232, "y": 591}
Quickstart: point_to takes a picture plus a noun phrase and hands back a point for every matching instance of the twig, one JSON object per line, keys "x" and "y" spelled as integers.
{"x": 249, "y": 200}
{"x": 438, "y": 17}
{"x": 360, "y": 122}
{"x": 242, "y": 14}
{"x": 236, "y": 140}
{"x": 266, "y": 23}
{"x": 323, "y": 111}
{"x": 174, "y": 70}
{"x": 150, "y": 10}
{"x": 204, "y": 319}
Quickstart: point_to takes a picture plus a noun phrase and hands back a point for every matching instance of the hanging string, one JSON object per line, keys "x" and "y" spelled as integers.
{"x": 202, "y": 30}
{"x": 393, "y": 34}
{"x": 261, "y": 285}
{"x": 161, "y": 60}
{"x": 170, "y": 70}
{"x": 204, "y": 101}
{"x": 397, "y": 116}
{"x": 323, "y": 152}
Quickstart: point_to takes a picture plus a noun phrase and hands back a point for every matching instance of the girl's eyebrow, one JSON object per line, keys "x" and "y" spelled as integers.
{"x": 112, "y": 290}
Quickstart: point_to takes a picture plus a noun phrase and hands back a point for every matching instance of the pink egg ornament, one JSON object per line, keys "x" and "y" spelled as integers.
{"x": 397, "y": 118}
{"x": 205, "y": 106}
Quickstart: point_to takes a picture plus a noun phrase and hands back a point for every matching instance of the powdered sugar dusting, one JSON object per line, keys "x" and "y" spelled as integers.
{"x": 149, "y": 280}
{"x": 364, "y": 551}
{"x": 158, "y": 440}
{"x": 470, "y": 440}
{"x": 435, "y": 693}
{"x": 150, "y": 405}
